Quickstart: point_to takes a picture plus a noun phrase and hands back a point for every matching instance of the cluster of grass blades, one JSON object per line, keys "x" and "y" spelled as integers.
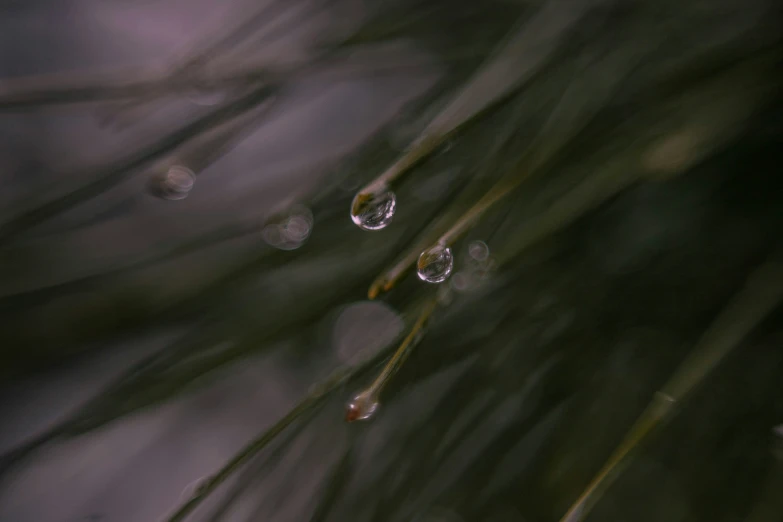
{"x": 559, "y": 111}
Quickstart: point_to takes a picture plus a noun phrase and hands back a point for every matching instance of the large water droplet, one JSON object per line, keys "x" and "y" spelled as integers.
{"x": 361, "y": 407}
{"x": 175, "y": 184}
{"x": 373, "y": 211}
{"x": 435, "y": 264}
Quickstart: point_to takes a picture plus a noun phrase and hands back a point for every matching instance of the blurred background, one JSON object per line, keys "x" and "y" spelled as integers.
{"x": 187, "y": 305}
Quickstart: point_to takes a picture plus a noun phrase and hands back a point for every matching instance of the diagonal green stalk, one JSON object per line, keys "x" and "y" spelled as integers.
{"x": 211, "y": 484}
{"x": 364, "y": 404}
{"x": 403, "y": 351}
{"x": 508, "y": 68}
{"x": 762, "y": 292}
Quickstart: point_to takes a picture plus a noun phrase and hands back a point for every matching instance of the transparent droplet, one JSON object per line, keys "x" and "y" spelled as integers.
{"x": 435, "y": 264}
{"x": 292, "y": 230}
{"x": 373, "y": 211}
{"x": 361, "y": 407}
{"x": 175, "y": 184}
{"x": 478, "y": 251}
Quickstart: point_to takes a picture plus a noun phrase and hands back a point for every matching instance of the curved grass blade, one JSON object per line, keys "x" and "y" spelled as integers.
{"x": 319, "y": 394}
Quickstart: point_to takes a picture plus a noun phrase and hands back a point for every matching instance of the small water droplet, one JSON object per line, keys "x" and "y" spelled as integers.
{"x": 175, "y": 184}
{"x": 362, "y": 407}
{"x": 373, "y": 211}
{"x": 292, "y": 230}
{"x": 478, "y": 251}
{"x": 435, "y": 264}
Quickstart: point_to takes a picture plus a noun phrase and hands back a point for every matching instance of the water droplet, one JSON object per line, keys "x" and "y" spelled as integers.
{"x": 175, "y": 184}
{"x": 292, "y": 230}
{"x": 478, "y": 251}
{"x": 435, "y": 264}
{"x": 361, "y": 407}
{"x": 373, "y": 211}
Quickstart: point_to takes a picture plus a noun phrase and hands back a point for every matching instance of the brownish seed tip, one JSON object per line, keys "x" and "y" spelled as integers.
{"x": 373, "y": 292}
{"x": 352, "y": 413}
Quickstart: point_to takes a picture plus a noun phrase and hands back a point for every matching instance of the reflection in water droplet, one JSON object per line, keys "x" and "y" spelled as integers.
{"x": 292, "y": 231}
{"x": 175, "y": 184}
{"x": 373, "y": 211}
{"x": 435, "y": 264}
{"x": 478, "y": 251}
{"x": 361, "y": 407}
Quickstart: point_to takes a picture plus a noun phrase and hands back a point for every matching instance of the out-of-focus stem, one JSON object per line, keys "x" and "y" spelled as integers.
{"x": 317, "y": 395}
{"x": 760, "y": 295}
{"x": 365, "y": 403}
{"x": 127, "y": 166}
{"x": 130, "y": 84}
